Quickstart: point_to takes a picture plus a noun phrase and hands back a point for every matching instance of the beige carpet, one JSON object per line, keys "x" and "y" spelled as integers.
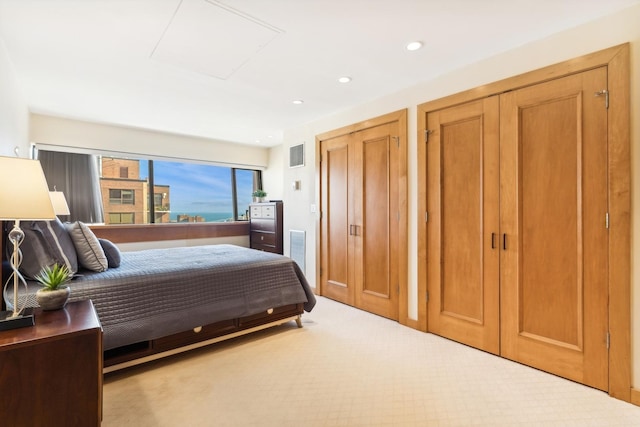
{"x": 350, "y": 368}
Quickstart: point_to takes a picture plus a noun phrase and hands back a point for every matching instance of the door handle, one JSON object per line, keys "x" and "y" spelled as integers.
{"x": 493, "y": 240}
{"x": 504, "y": 241}
{"x": 350, "y": 229}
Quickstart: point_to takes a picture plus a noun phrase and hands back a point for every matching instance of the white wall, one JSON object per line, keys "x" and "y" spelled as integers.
{"x": 61, "y": 132}
{"x": 606, "y": 32}
{"x": 272, "y": 176}
{"x": 14, "y": 114}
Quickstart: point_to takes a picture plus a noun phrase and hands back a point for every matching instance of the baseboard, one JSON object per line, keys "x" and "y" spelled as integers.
{"x": 635, "y": 396}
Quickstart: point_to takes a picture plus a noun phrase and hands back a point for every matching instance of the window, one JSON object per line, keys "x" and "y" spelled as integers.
{"x": 121, "y": 197}
{"x": 246, "y": 182}
{"x": 168, "y": 191}
{"x": 121, "y": 218}
{"x": 140, "y": 191}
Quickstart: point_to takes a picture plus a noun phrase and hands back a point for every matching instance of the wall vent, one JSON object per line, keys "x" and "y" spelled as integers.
{"x": 296, "y": 156}
{"x": 297, "y": 248}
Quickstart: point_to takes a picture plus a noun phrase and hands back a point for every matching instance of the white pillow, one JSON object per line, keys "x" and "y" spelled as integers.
{"x": 90, "y": 253}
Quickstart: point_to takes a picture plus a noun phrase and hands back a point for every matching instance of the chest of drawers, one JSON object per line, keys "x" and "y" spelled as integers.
{"x": 266, "y": 226}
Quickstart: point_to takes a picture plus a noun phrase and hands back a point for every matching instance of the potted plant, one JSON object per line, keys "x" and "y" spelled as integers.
{"x": 259, "y": 195}
{"x": 54, "y": 293}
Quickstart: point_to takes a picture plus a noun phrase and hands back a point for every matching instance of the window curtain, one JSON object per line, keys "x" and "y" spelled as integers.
{"x": 78, "y": 177}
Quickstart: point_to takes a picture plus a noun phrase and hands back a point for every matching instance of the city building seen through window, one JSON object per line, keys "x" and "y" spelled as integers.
{"x": 151, "y": 191}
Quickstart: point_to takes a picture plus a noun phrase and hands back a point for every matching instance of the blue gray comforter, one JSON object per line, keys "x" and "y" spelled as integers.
{"x": 158, "y": 292}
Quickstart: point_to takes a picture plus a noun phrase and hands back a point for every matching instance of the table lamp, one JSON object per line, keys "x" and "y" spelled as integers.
{"x": 59, "y": 202}
{"x": 24, "y": 195}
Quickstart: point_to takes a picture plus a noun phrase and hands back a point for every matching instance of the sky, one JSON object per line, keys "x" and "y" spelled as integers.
{"x": 198, "y": 188}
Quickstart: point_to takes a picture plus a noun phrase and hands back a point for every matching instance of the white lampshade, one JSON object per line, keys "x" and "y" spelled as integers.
{"x": 59, "y": 203}
{"x": 24, "y": 193}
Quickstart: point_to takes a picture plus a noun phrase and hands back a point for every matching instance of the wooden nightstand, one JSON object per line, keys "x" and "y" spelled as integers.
{"x": 51, "y": 373}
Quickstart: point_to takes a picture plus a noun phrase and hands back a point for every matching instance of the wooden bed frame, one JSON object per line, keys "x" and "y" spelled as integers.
{"x": 145, "y": 351}
{"x": 135, "y": 354}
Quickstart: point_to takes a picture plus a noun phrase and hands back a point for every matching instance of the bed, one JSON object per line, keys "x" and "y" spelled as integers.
{"x": 162, "y": 301}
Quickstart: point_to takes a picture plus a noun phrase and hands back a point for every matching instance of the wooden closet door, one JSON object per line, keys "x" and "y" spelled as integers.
{"x": 376, "y": 217}
{"x": 462, "y": 228}
{"x": 337, "y": 219}
{"x": 361, "y": 178}
{"x": 553, "y": 200}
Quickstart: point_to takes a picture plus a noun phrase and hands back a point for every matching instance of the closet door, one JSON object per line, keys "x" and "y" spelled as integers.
{"x": 361, "y": 178}
{"x": 337, "y": 244}
{"x": 376, "y": 219}
{"x": 462, "y": 228}
{"x": 553, "y": 199}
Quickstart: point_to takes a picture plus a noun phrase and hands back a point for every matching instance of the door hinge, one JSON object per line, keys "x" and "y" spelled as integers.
{"x": 605, "y": 93}
{"x": 320, "y": 272}
{"x": 606, "y": 220}
{"x": 608, "y": 340}
{"x": 426, "y": 135}
{"x": 427, "y": 296}
{"x": 397, "y": 138}
{"x": 398, "y": 289}
{"x": 426, "y": 217}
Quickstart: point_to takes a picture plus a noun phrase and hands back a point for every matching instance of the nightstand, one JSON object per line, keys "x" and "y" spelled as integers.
{"x": 51, "y": 373}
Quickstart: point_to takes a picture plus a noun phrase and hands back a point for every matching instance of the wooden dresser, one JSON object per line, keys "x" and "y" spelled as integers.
{"x": 51, "y": 373}
{"x": 266, "y": 226}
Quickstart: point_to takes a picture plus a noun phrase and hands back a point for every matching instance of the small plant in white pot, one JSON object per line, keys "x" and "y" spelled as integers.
{"x": 259, "y": 195}
{"x": 54, "y": 292}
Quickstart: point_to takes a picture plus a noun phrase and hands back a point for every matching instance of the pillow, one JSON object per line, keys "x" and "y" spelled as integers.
{"x": 111, "y": 251}
{"x": 45, "y": 243}
{"x": 90, "y": 253}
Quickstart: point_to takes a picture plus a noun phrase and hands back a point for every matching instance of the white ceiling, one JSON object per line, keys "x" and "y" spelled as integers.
{"x": 230, "y": 69}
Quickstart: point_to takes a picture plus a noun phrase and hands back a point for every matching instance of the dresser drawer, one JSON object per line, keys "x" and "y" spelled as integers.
{"x": 266, "y": 211}
{"x": 262, "y": 238}
{"x": 263, "y": 225}
{"x": 256, "y": 212}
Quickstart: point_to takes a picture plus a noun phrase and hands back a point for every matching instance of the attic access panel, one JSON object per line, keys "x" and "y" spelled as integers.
{"x": 212, "y": 38}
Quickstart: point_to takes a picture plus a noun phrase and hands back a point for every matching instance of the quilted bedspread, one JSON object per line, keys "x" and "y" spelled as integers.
{"x": 157, "y": 292}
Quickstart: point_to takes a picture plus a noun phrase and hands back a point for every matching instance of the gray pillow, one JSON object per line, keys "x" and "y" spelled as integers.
{"x": 90, "y": 253}
{"x": 111, "y": 251}
{"x": 45, "y": 243}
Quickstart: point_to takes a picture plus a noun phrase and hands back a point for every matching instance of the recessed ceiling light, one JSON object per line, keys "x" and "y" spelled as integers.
{"x": 414, "y": 45}
{"x": 344, "y": 79}
{"x": 298, "y": 101}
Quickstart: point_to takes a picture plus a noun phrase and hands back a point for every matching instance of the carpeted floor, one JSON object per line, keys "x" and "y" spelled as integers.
{"x": 346, "y": 367}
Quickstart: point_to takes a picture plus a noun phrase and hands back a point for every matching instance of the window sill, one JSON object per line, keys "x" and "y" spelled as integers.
{"x": 158, "y": 232}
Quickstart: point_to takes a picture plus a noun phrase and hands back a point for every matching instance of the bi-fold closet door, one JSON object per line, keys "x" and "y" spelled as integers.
{"x": 517, "y": 240}
{"x": 360, "y": 226}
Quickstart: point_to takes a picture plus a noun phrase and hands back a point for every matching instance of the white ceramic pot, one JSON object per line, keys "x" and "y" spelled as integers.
{"x": 53, "y": 300}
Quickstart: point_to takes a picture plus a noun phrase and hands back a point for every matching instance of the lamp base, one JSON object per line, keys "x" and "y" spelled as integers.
{"x": 23, "y": 320}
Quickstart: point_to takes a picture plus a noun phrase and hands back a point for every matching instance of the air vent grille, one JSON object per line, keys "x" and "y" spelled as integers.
{"x": 296, "y": 156}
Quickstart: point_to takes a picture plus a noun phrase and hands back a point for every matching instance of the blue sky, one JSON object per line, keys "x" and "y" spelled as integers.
{"x": 199, "y": 188}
